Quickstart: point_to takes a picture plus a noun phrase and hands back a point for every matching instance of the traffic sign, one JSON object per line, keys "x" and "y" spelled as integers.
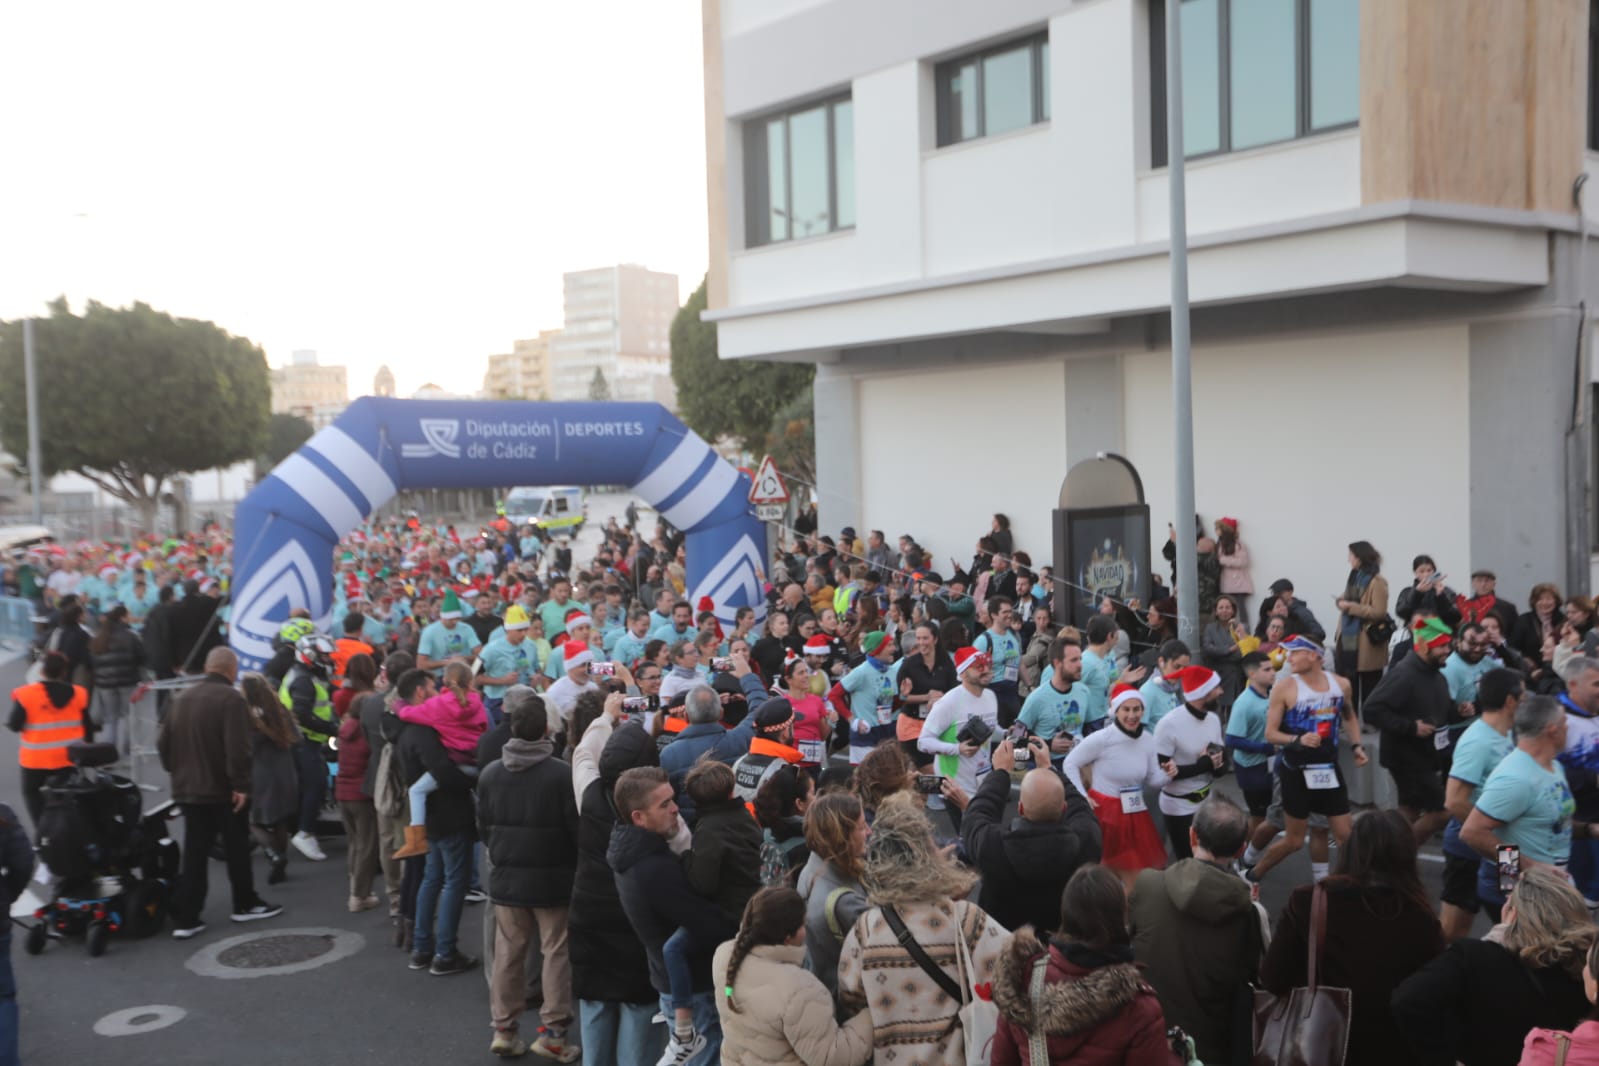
{"x": 767, "y": 487}
{"x": 770, "y": 512}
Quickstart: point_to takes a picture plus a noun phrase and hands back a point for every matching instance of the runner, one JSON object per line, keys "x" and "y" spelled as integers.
{"x": 1123, "y": 760}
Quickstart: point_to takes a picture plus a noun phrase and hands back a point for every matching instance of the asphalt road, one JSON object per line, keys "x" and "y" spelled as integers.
{"x": 361, "y": 1007}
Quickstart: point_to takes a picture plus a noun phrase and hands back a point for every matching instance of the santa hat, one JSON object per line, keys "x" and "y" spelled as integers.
{"x": 708, "y": 604}
{"x": 819, "y": 644}
{"x": 109, "y": 571}
{"x": 577, "y": 654}
{"x": 967, "y": 658}
{"x": 451, "y": 606}
{"x": 516, "y": 618}
{"x": 1121, "y": 693}
{"x": 789, "y": 658}
{"x": 577, "y": 617}
{"x": 196, "y": 575}
{"x": 1197, "y": 682}
{"x": 1230, "y": 523}
{"x": 207, "y": 584}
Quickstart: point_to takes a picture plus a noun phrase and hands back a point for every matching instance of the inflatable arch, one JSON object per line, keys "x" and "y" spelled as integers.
{"x": 286, "y": 529}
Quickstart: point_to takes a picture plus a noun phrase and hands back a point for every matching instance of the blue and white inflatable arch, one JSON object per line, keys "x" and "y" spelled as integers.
{"x": 286, "y": 529}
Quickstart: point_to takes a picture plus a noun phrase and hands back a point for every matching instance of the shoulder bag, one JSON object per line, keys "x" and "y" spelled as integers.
{"x": 1037, "y": 1040}
{"x": 1309, "y": 1026}
{"x": 978, "y": 1018}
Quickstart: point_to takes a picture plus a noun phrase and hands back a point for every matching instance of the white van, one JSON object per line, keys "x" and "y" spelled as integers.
{"x": 556, "y": 508}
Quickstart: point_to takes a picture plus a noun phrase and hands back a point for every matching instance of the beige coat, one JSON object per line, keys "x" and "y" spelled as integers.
{"x": 785, "y": 1015}
{"x": 1373, "y": 606}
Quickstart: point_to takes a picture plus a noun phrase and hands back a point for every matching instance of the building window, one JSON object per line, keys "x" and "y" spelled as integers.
{"x": 800, "y": 171}
{"x": 1257, "y": 72}
{"x": 994, "y": 91}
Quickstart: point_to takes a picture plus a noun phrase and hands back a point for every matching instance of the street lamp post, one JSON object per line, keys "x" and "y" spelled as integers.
{"x": 1181, "y": 371}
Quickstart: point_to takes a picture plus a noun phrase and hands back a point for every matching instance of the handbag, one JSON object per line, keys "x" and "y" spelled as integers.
{"x": 1381, "y": 631}
{"x": 977, "y": 1017}
{"x": 1309, "y": 1026}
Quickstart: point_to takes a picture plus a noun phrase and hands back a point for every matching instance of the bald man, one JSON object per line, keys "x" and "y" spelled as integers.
{"x": 1026, "y": 865}
{"x": 205, "y": 746}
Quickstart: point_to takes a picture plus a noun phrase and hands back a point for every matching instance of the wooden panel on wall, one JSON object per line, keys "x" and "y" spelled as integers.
{"x": 1473, "y": 101}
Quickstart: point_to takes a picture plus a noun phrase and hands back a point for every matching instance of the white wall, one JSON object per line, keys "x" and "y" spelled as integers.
{"x": 942, "y": 481}
{"x": 1309, "y": 458}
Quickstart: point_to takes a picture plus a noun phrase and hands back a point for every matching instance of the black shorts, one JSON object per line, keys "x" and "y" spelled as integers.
{"x": 1255, "y": 783}
{"x": 1460, "y": 883}
{"x": 1420, "y": 789}
{"x": 1300, "y": 802}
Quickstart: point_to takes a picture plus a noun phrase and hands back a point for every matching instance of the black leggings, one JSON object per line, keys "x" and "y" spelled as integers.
{"x": 1177, "y": 830}
{"x": 32, "y": 781}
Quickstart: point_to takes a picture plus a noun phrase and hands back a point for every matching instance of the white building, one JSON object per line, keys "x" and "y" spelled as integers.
{"x": 958, "y": 212}
{"x": 619, "y": 322}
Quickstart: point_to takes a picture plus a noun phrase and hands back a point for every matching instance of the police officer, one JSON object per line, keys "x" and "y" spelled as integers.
{"x": 306, "y": 693}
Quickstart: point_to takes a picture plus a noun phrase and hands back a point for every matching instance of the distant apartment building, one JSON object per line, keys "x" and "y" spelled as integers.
{"x": 523, "y": 372}
{"x": 618, "y": 321}
{"x": 308, "y": 389}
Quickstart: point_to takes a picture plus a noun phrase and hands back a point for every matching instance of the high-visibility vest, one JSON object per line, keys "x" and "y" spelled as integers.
{"x": 344, "y": 649}
{"x": 322, "y": 709}
{"x": 48, "y": 729}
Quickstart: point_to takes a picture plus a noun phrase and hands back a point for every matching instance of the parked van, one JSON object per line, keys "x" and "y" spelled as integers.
{"x": 556, "y": 508}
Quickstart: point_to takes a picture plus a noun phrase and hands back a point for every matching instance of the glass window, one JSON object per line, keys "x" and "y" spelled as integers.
{"x": 777, "y": 179}
{"x": 794, "y": 183}
{"x": 844, "y": 162}
{"x": 995, "y": 91}
{"x": 1261, "y": 42}
{"x": 1201, "y": 76}
{"x": 1334, "y": 62}
{"x": 807, "y": 143}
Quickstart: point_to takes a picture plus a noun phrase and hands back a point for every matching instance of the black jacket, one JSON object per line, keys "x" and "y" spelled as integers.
{"x": 16, "y": 856}
{"x": 193, "y": 635}
{"x": 725, "y": 865}
{"x": 1476, "y": 1002}
{"x": 450, "y": 805}
{"x": 527, "y": 818}
{"x": 119, "y": 665}
{"x": 1439, "y": 603}
{"x": 1410, "y": 692}
{"x": 1024, "y": 868}
{"x": 1300, "y": 619}
{"x": 658, "y": 900}
{"x": 492, "y": 743}
{"x": 157, "y": 636}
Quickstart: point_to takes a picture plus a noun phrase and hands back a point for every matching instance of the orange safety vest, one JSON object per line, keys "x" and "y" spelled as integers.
{"x": 48, "y": 728}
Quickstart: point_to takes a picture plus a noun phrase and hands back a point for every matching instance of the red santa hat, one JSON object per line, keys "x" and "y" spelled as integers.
{"x": 577, "y": 654}
{"x": 1121, "y": 693}
{"x": 967, "y": 658}
{"x": 577, "y": 617}
{"x": 1197, "y": 682}
{"x": 819, "y": 644}
{"x": 708, "y": 604}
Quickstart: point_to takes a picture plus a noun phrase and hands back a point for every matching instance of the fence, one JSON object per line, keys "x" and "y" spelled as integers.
{"x": 16, "y": 623}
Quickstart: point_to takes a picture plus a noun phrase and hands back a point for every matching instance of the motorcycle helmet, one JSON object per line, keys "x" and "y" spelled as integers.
{"x": 294, "y": 629}
{"x": 315, "y": 651}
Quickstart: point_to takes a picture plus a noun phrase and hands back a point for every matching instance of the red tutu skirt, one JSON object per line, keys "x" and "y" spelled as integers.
{"x": 1131, "y": 842}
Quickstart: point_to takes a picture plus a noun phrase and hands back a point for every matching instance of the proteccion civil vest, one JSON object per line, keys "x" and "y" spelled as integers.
{"x": 322, "y": 709}
{"x": 48, "y": 729}
{"x": 765, "y": 758}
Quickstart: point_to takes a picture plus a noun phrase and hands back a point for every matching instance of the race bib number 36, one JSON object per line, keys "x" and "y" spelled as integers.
{"x": 1132, "y": 800}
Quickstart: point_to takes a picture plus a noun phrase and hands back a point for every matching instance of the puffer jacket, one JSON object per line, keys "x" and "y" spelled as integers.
{"x": 527, "y": 816}
{"x": 355, "y": 756}
{"x": 785, "y": 1015}
{"x": 119, "y": 665}
{"x": 1100, "y": 1014}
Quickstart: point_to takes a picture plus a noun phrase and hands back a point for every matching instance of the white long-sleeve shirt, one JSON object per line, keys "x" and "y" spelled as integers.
{"x": 1184, "y": 738}
{"x": 953, "y": 709}
{"x": 1119, "y": 761}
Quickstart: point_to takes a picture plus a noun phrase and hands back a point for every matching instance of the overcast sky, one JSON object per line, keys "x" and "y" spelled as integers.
{"x": 397, "y": 182}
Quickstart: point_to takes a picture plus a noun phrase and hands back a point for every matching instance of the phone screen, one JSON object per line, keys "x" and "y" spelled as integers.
{"x": 931, "y": 784}
{"x": 1509, "y": 866}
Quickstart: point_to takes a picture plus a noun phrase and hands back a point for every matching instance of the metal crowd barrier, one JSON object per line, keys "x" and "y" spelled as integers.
{"x": 16, "y": 622}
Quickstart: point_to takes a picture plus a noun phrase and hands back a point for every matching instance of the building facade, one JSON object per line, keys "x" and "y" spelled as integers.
{"x": 958, "y": 212}
{"x": 305, "y": 387}
{"x": 523, "y": 372}
{"x": 618, "y": 322}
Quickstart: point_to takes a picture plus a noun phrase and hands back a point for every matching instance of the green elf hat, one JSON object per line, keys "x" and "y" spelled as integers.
{"x": 451, "y": 607}
{"x": 1429, "y": 632}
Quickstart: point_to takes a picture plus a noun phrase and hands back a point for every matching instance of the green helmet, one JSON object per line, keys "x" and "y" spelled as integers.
{"x": 294, "y": 629}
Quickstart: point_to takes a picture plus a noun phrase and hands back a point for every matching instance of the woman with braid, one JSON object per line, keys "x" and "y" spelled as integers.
{"x": 773, "y": 1010}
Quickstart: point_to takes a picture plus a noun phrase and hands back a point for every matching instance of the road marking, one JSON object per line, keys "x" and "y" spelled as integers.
{"x": 137, "y": 1020}
{"x": 205, "y": 961}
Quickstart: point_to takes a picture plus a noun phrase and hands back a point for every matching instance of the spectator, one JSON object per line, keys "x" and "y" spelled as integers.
{"x": 1537, "y": 632}
{"x": 274, "y": 786}
{"x": 356, "y": 810}
{"x": 1296, "y": 613}
{"x": 1025, "y": 867}
{"x": 1380, "y": 930}
{"x": 703, "y": 710}
{"x": 1196, "y": 933}
{"x": 779, "y": 1013}
{"x": 780, "y": 808}
{"x": 1365, "y": 600}
{"x": 1232, "y": 555}
{"x": 16, "y": 870}
{"x": 918, "y": 893}
{"x": 374, "y": 712}
{"x": 116, "y": 657}
{"x": 1580, "y": 1047}
{"x": 1427, "y": 593}
{"x": 1220, "y": 650}
{"x": 1095, "y": 1009}
{"x": 836, "y": 831}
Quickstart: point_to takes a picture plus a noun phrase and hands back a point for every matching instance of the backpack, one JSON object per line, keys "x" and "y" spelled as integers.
{"x": 774, "y": 857}
{"x": 389, "y": 793}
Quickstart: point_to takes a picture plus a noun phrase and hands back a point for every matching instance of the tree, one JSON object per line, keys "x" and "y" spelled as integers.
{"x": 791, "y": 441}
{"x": 131, "y": 396}
{"x": 738, "y": 398}
{"x": 599, "y": 388}
{"x": 285, "y": 434}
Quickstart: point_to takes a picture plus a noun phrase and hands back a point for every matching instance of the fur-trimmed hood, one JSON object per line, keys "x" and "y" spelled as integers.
{"x": 1075, "y": 1000}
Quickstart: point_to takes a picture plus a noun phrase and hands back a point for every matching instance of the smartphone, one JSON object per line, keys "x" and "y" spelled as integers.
{"x": 602, "y": 669}
{"x": 929, "y": 784}
{"x": 1509, "y": 866}
{"x": 1017, "y": 735}
{"x": 634, "y": 704}
{"x": 1212, "y": 749}
{"x": 722, "y": 664}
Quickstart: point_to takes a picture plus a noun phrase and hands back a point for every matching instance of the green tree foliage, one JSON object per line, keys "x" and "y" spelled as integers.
{"x": 738, "y": 398}
{"x": 285, "y": 434}
{"x": 599, "y": 388}
{"x": 130, "y": 397}
{"x": 791, "y": 441}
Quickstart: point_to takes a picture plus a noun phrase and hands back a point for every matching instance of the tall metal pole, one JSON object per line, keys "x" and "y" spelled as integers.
{"x": 35, "y": 456}
{"x": 1181, "y": 372}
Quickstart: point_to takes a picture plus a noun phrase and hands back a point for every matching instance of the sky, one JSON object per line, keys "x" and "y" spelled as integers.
{"x": 399, "y": 183}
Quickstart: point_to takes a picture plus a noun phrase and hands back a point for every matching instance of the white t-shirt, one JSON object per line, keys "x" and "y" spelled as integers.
{"x": 63, "y": 582}
{"x": 1183, "y": 737}
{"x": 1119, "y": 761}
{"x": 950, "y": 712}
{"x": 562, "y": 696}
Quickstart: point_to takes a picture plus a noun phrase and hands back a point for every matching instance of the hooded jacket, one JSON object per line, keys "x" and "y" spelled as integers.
{"x": 527, "y": 817}
{"x": 1026, "y": 866}
{"x": 658, "y": 901}
{"x": 1198, "y": 938}
{"x": 1092, "y": 1015}
{"x": 725, "y": 865}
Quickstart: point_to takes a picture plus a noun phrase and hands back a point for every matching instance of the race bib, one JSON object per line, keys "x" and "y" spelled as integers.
{"x": 1321, "y": 778}
{"x": 1133, "y": 800}
{"x": 1440, "y": 740}
{"x": 811, "y": 750}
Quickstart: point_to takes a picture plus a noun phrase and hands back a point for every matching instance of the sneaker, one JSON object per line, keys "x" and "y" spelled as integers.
{"x": 184, "y": 932}
{"x": 679, "y": 1051}
{"x": 475, "y": 895}
{"x": 555, "y": 1047}
{"x": 362, "y": 903}
{"x": 261, "y": 909}
{"x": 508, "y": 1045}
{"x": 421, "y": 960}
{"x": 307, "y": 845}
{"x": 451, "y": 964}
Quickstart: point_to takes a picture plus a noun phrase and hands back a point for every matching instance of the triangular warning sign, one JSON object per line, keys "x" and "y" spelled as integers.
{"x": 768, "y": 485}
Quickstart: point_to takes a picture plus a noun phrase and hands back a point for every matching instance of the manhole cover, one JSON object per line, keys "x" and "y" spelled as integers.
{"x": 276, "y": 951}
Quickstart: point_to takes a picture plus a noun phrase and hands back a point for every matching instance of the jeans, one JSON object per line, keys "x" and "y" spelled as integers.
{"x": 441, "y": 895}
{"x": 418, "y": 793}
{"x": 615, "y": 1032}
{"x": 706, "y": 1022}
{"x": 313, "y": 770}
{"x": 202, "y": 822}
{"x": 8, "y": 1004}
{"x": 674, "y": 954}
{"x": 491, "y": 706}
